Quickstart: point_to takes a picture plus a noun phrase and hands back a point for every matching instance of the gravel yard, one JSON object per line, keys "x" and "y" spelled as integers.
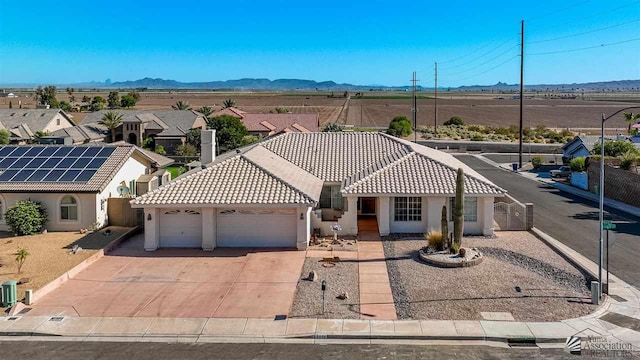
{"x": 308, "y": 300}
{"x": 48, "y": 254}
{"x": 550, "y": 288}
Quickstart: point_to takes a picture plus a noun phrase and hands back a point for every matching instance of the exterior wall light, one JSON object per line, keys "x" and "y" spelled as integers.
{"x": 149, "y": 217}
{"x": 301, "y": 216}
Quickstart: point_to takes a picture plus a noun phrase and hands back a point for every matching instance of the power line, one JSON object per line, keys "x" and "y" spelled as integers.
{"x": 479, "y": 57}
{"x": 486, "y": 71}
{"x": 590, "y": 16}
{"x": 558, "y": 11}
{"x": 486, "y": 62}
{"x": 583, "y": 33}
{"x": 585, "y": 48}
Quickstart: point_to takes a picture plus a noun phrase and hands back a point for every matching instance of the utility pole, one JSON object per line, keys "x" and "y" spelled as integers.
{"x": 435, "y": 101}
{"x": 414, "y": 109}
{"x": 521, "y": 90}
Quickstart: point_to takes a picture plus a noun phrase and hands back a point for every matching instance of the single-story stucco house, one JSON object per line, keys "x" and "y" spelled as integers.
{"x": 23, "y": 124}
{"x": 582, "y": 146}
{"x": 73, "y": 183}
{"x": 270, "y": 124}
{"x": 277, "y": 192}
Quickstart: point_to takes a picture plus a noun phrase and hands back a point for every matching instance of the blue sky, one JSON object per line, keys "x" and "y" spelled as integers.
{"x": 359, "y": 42}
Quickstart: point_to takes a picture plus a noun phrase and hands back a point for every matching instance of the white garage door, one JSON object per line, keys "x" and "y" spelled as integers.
{"x": 180, "y": 228}
{"x": 256, "y": 228}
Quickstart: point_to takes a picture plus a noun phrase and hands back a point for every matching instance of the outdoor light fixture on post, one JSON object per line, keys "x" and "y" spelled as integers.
{"x": 601, "y": 190}
{"x": 324, "y": 289}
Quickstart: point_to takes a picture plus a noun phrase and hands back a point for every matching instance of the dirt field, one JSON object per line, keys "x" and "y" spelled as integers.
{"x": 377, "y": 109}
{"x": 48, "y": 254}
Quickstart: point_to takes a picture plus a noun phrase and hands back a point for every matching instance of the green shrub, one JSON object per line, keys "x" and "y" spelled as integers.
{"x": 455, "y": 120}
{"x": 26, "y": 217}
{"x": 332, "y": 127}
{"x": 435, "y": 240}
{"x": 578, "y": 164}
{"x": 615, "y": 148}
{"x": 455, "y": 248}
{"x": 400, "y": 126}
{"x": 477, "y": 137}
{"x": 536, "y": 161}
{"x": 627, "y": 160}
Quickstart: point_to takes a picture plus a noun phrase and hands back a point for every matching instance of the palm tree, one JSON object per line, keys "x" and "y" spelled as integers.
{"x": 111, "y": 119}
{"x": 206, "y": 111}
{"x": 70, "y": 91}
{"x": 182, "y": 105}
{"x": 631, "y": 118}
{"x": 229, "y": 103}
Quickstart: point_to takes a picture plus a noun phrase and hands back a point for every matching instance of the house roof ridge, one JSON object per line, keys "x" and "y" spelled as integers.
{"x": 280, "y": 179}
{"x": 375, "y": 169}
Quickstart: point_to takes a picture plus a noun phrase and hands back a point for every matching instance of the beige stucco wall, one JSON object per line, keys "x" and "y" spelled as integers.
{"x": 53, "y": 124}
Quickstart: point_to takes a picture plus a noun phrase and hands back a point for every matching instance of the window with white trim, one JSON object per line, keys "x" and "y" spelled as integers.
{"x": 470, "y": 208}
{"x": 407, "y": 208}
{"x": 68, "y": 208}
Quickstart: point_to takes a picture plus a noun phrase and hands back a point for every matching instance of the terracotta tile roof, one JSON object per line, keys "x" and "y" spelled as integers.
{"x": 279, "y": 122}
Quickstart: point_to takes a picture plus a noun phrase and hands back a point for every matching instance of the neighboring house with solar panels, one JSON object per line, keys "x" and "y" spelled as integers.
{"x": 73, "y": 183}
{"x": 275, "y": 193}
{"x": 168, "y": 128}
{"x": 22, "y": 124}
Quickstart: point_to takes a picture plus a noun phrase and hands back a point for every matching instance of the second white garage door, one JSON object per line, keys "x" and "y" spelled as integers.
{"x": 180, "y": 228}
{"x": 256, "y": 228}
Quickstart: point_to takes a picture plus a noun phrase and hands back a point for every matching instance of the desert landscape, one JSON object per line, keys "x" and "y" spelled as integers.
{"x": 376, "y": 109}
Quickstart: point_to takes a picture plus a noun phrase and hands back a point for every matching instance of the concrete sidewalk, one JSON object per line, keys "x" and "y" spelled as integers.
{"x": 615, "y": 321}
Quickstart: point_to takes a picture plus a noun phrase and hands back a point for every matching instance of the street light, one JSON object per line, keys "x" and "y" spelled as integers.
{"x": 601, "y": 189}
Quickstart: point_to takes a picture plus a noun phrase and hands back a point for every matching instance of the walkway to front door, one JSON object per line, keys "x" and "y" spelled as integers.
{"x": 376, "y": 299}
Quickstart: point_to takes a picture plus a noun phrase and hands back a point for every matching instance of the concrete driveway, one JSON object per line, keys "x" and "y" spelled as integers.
{"x": 180, "y": 283}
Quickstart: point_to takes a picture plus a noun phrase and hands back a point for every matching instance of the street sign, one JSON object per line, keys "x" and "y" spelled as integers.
{"x": 608, "y": 225}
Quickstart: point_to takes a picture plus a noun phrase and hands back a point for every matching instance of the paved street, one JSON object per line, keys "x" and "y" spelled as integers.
{"x": 158, "y": 351}
{"x": 572, "y": 219}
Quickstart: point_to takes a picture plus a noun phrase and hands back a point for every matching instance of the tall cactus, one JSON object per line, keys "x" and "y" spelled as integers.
{"x": 458, "y": 210}
{"x": 444, "y": 227}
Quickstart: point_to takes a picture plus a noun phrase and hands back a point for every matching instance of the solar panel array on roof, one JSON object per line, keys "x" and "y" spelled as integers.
{"x": 51, "y": 163}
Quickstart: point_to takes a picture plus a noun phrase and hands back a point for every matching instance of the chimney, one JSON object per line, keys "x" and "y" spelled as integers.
{"x": 207, "y": 146}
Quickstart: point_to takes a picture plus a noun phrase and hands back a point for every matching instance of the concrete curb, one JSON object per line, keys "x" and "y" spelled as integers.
{"x": 54, "y": 284}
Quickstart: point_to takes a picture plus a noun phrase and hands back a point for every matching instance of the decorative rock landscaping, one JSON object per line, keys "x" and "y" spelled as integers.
{"x": 446, "y": 259}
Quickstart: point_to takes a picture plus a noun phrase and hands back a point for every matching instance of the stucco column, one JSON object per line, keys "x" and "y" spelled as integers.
{"x": 487, "y": 216}
{"x": 434, "y": 213}
{"x": 303, "y": 221}
{"x": 383, "y": 215}
{"x": 350, "y": 217}
{"x": 151, "y": 229}
{"x": 208, "y": 228}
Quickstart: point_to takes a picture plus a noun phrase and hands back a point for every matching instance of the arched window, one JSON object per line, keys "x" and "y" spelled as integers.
{"x": 68, "y": 208}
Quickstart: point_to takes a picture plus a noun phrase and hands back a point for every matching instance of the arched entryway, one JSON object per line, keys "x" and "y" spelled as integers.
{"x": 133, "y": 139}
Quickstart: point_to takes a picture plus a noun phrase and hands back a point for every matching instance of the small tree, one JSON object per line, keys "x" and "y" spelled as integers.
{"x": 454, "y": 120}
{"x": 615, "y": 148}
{"x": 87, "y": 100}
{"x": 39, "y": 134}
{"x": 332, "y": 127}
{"x": 194, "y": 137}
{"x": 186, "y": 150}
{"x": 281, "y": 110}
{"x": 230, "y": 131}
{"x": 113, "y": 100}
{"x": 5, "y": 137}
{"x": 160, "y": 150}
{"x": 26, "y": 217}
{"x": 400, "y": 126}
{"x": 578, "y": 164}
{"x": 631, "y": 118}
{"x": 97, "y": 103}
{"x": 458, "y": 209}
{"x": 21, "y": 256}
{"x": 65, "y": 106}
{"x": 229, "y": 103}
{"x": 181, "y": 105}
{"x": 537, "y": 161}
{"x": 444, "y": 226}
{"x": 111, "y": 119}
{"x": 627, "y": 160}
{"x": 205, "y": 110}
{"x": 128, "y": 101}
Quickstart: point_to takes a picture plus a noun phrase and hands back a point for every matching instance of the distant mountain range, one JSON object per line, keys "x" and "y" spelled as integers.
{"x": 300, "y": 84}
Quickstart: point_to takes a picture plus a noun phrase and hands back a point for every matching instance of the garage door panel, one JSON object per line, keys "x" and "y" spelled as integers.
{"x": 256, "y": 228}
{"x": 181, "y": 228}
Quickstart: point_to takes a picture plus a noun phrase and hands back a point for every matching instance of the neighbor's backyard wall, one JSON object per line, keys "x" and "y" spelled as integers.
{"x": 620, "y": 185}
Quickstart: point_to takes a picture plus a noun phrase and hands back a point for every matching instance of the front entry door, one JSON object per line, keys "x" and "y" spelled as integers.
{"x": 368, "y": 206}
